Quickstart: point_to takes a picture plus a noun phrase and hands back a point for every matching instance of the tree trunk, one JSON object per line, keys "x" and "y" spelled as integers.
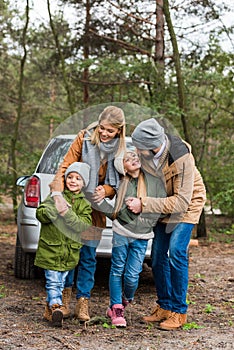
{"x": 159, "y": 58}
{"x": 179, "y": 76}
{"x": 19, "y": 111}
{"x": 58, "y": 47}
{"x": 201, "y": 227}
{"x": 86, "y": 54}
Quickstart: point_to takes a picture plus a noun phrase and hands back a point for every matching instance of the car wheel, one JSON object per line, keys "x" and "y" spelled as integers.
{"x": 24, "y": 263}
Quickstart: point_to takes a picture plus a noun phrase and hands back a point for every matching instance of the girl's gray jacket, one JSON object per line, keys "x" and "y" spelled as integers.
{"x": 127, "y": 223}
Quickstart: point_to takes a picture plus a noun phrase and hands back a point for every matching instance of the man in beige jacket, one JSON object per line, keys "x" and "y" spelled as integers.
{"x": 168, "y": 157}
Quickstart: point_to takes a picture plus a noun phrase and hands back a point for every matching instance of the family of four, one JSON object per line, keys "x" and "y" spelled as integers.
{"x": 159, "y": 193}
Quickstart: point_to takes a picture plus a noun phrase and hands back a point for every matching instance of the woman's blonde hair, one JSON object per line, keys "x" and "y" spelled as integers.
{"x": 115, "y": 117}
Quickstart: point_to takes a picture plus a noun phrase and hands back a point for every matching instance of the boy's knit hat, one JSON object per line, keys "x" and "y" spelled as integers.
{"x": 81, "y": 168}
{"x": 149, "y": 134}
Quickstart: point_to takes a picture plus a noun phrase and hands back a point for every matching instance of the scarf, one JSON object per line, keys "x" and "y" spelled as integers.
{"x": 91, "y": 155}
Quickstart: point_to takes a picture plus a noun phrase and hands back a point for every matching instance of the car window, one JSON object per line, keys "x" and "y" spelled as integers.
{"x": 53, "y": 156}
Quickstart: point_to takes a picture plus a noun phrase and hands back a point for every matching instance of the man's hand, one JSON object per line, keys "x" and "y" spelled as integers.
{"x": 60, "y": 204}
{"x": 134, "y": 204}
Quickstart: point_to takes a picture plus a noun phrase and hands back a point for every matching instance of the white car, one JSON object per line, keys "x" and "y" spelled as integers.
{"x": 35, "y": 189}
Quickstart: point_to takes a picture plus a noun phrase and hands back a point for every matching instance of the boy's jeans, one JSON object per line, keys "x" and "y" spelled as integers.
{"x": 55, "y": 281}
{"x": 170, "y": 266}
{"x": 86, "y": 270}
{"x": 126, "y": 263}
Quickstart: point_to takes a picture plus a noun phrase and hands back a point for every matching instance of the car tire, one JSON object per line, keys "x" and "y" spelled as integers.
{"x": 24, "y": 267}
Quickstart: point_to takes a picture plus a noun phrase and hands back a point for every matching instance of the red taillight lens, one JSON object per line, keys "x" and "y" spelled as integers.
{"x": 32, "y": 192}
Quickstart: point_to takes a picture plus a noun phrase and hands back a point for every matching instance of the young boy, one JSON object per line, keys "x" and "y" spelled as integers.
{"x": 59, "y": 244}
{"x": 131, "y": 233}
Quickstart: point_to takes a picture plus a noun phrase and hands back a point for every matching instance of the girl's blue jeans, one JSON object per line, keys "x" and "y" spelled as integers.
{"x": 126, "y": 264}
{"x": 86, "y": 270}
{"x": 55, "y": 281}
{"x": 170, "y": 266}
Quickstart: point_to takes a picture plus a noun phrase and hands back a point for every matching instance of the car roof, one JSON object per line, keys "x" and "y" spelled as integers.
{"x": 69, "y": 136}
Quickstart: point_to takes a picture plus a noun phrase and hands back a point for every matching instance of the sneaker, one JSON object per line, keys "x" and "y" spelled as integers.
{"x": 174, "y": 322}
{"x": 82, "y": 309}
{"x": 157, "y": 315}
{"x": 116, "y": 313}
{"x": 125, "y": 303}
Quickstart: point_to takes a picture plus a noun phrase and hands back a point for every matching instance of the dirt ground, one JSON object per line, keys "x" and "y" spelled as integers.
{"x": 210, "y": 298}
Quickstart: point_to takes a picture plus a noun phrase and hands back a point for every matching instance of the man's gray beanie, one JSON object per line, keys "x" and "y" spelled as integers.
{"x": 81, "y": 168}
{"x": 149, "y": 134}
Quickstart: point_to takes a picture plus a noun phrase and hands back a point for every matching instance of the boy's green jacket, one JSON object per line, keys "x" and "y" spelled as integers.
{"x": 59, "y": 244}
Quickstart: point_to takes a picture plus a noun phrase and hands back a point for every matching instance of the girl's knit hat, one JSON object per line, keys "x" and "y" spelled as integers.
{"x": 119, "y": 161}
{"x": 82, "y": 169}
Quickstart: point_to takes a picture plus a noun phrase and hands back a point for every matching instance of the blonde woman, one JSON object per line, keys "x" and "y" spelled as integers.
{"x": 97, "y": 145}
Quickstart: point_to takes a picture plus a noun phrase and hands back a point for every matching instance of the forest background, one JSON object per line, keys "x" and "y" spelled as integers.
{"x": 172, "y": 58}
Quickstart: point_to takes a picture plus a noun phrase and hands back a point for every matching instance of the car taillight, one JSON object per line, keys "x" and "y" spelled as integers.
{"x": 32, "y": 192}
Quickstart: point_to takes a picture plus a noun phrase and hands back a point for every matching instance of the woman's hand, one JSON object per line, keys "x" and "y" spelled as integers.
{"x": 99, "y": 194}
{"x": 134, "y": 204}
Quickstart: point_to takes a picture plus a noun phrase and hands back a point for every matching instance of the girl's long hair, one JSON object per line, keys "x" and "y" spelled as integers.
{"x": 141, "y": 191}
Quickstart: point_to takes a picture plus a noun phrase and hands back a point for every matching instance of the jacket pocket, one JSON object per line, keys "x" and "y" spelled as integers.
{"x": 48, "y": 253}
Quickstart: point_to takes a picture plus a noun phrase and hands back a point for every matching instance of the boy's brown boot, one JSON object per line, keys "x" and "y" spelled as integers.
{"x": 158, "y": 315}
{"x": 47, "y": 313}
{"x": 174, "y": 322}
{"x": 67, "y": 292}
{"x": 82, "y": 309}
{"x": 57, "y": 315}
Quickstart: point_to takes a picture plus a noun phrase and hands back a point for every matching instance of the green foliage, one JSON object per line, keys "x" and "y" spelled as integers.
{"x": 230, "y": 231}
{"x": 189, "y": 301}
{"x": 122, "y": 66}
{"x": 225, "y": 202}
{"x": 149, "y": 326}
{"x": 192, "y": 325}
{"x": 223, "y": 231}
{"x": 106, "y": 325}
{"x": 198, "y": 275}
{"x": 2, "y": 292}
{"x": 209, "y": 308}
{"x": 210, "y": 97}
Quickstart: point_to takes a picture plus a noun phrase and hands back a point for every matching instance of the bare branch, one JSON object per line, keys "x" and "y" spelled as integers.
{"x": 122, "y": 43}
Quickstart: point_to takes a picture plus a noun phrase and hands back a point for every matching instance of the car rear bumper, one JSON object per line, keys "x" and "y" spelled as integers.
{"x": 28, "y": 229}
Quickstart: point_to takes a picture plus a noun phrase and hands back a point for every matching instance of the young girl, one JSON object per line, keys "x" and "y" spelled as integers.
{"x": 97, "y": 145}
{"x": 131, "y": 233}
{"x": 59, "y": 248}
